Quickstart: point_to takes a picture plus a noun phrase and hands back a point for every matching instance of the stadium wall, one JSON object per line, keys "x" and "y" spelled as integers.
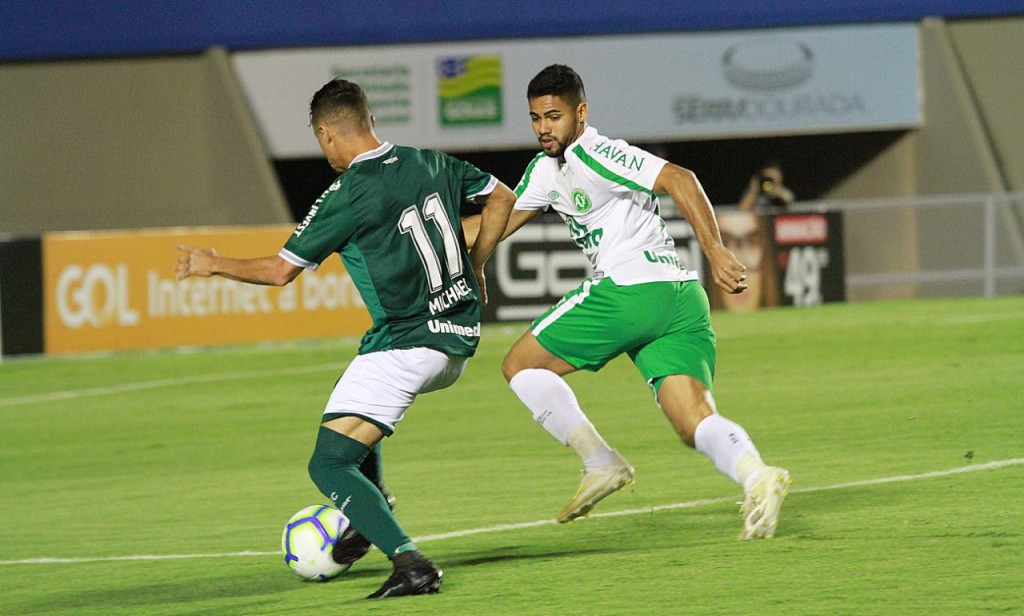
{"x": 128, "y": 143}
{"x": 970, "y": 142}
{"x": 991, "y": 55}
{"x": 149, "y": 142}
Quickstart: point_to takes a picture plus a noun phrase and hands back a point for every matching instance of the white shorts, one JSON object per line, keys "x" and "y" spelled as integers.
{"x": 380, "y": 386}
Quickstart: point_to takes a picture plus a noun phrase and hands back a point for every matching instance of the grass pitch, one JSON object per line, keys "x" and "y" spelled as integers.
{"x": 158, "y": 483}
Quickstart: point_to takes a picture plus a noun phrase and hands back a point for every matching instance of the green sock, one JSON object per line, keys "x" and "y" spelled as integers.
{"x": 372, "y": 465}
{"x": 334, "y": 468}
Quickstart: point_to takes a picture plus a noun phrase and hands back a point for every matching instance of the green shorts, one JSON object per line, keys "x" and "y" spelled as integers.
{"x": 664, "y": 327}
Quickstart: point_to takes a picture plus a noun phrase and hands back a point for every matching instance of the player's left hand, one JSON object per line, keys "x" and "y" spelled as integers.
{"x": 482, "y": 280}
{"x": 195, "y": 262}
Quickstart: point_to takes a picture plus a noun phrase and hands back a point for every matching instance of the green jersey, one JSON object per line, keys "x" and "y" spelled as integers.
{"x": 394, "y": 217}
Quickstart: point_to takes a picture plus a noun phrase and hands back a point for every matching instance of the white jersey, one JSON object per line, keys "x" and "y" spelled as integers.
{"x": 603, "y": 192}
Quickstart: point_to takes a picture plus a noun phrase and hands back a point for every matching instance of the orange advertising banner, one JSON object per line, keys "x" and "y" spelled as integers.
{"x": 117, "y": 290}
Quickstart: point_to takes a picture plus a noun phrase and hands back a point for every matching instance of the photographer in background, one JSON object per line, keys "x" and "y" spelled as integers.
{"x": 766, "y": 192}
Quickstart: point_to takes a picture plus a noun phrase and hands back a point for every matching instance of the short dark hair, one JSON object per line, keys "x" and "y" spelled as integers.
{"x": 339, "y": 99}
{"x": 558, "y": 80}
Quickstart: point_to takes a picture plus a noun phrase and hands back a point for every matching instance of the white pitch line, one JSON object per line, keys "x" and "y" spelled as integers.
{"x": 506, "y": 527}
{"x": 99, "y": 559}
{"x": 716, "y": 501}
{"x": 144, "y": 385}
{"x": 56, "y": 396}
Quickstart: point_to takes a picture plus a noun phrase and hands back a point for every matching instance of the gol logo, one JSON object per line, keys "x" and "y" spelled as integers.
{"x": 96, "y": 295}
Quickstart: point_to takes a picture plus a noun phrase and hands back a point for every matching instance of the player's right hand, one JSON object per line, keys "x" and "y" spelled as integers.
{"x": 195, "y": 262}
{"x": 728, "y": 273}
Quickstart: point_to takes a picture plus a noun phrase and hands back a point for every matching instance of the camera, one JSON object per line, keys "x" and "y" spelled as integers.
{"x": 767, "y": 184}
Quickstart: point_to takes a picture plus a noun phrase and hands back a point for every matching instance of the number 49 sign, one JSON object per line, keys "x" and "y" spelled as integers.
{"x": 809, "y": 256}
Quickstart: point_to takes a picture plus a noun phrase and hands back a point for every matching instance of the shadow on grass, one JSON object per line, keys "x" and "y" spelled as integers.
{"x": 190, "y": 593}
{"x": 232, "y": 590}
{"x": 517, "y": 553}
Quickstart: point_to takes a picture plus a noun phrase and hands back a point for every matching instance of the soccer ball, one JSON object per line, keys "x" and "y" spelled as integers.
{"x": 308, "y": 539}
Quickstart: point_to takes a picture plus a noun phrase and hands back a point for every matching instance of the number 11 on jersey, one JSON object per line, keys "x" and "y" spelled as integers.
{"x": 411, "y": 223}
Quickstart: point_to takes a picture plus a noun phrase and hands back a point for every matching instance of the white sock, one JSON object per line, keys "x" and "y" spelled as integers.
{"x": 555, "y": 408}
{"x": 729, "y": 447}
{"x": 589, "y": 445}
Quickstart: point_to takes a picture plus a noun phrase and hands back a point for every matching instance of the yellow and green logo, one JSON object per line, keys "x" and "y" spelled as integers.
{"x": 469, "y": 89}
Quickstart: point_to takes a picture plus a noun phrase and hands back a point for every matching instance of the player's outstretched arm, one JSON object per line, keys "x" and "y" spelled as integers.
{"x": 518, "y": 218}
{"x": 497, "y": 207}
{"x": 272, "y": 270}
{"x": 684, "y": 188}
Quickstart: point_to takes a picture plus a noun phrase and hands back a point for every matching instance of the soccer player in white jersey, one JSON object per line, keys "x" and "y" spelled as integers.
{"x": 640, "y": 301}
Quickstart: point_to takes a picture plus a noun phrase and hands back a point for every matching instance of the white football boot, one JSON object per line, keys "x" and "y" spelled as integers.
{"x": 763, "y": 501}
{"x": 596, "y": 484}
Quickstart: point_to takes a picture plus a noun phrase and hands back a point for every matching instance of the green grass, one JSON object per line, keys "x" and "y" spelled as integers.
{"x": 195, "y": 458}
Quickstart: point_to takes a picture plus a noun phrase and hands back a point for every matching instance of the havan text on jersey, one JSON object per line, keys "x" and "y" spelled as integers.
{"x": 614, "y": 154}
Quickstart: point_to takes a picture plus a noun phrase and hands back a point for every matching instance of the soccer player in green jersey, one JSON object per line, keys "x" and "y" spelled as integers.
{"x": 393, "y": 216}
{"x": 640, "y": 301}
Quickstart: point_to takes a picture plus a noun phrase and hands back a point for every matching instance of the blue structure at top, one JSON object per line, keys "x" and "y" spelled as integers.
{"x": 68, "y": 29}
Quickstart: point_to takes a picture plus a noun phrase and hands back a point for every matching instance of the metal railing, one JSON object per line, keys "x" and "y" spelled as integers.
{"x": 949, "y": 245}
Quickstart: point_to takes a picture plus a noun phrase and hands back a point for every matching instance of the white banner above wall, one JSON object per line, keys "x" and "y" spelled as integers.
{"x": 665, "y": 87}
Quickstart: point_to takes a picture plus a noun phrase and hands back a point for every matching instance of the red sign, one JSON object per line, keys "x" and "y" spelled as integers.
{"x": 801, "y": 229}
